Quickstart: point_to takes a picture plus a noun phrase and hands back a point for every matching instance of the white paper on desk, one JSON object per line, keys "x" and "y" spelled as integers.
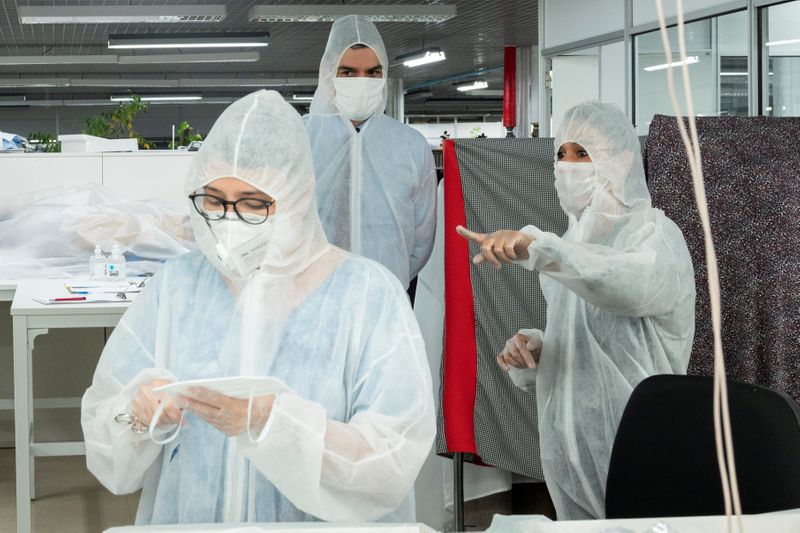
{"x": 93, "y": 287}
{"x": 241, "y": 387}
{"x": 87, "y": 300}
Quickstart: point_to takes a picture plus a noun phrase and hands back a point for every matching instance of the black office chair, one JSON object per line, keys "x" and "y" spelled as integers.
{"x": 664, "y": 459}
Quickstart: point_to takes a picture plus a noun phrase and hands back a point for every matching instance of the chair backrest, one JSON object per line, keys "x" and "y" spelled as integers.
{"x": 664, "y": 461}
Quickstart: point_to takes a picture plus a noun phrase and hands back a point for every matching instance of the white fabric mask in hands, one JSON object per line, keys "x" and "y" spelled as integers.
{"x": 241, "y": 247}
{"x": 358, "y": 98}
{"x": 575, "y": 185}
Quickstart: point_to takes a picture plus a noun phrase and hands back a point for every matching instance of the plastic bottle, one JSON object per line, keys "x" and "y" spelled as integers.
{"x": 97, "y": 264}
{"x": 115, "y": 266}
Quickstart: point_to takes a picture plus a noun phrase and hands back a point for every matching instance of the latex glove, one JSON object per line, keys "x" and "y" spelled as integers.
{"x": 145, "y": 403}
{"x": 503, "y": 246}
{"x": 520, "y": 352}
{"x": 227, "y": 414}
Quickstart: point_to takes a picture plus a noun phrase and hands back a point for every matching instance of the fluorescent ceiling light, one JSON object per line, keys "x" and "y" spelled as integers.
{"x": 302, "y": 97}
{"x": 423, "y": 57}
{"x": 331, "y": 13}
{"x": 733, "y": 74}
{"x": 11, "y": 101}
{"x": 782, "y": 43}
{"x": 191, "y": 40}
{"x": 689, "y": 61}
{"x": 58, "y": 60}
{"x": 224, "y": 57}
{"x": 158, "y": 98}
{"x": 111, "y": 59}
{"x": 119, "y": 14}
{"x": 472, "y": 86}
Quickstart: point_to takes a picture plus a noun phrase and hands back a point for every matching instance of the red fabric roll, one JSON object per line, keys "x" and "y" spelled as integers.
{"x": 460, "y": 351}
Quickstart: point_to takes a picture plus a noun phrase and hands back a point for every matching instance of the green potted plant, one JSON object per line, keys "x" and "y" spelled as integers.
{"x": 184, "y": 136}
{"x": 118, "y": 124}
{"x": 44, "y": 142}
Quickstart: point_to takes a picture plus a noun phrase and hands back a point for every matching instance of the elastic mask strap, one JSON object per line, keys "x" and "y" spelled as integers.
{"x": 154, "y": 423}
{"x": 256, "y": 439}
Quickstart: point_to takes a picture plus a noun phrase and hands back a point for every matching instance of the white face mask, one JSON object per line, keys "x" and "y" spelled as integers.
{"x": 575, "y": 185}
{"x": 241, "y": 247}
{"x": 358, "y": 98}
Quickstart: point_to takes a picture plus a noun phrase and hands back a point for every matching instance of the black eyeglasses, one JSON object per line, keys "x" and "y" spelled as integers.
{"x": 249, "y": 210}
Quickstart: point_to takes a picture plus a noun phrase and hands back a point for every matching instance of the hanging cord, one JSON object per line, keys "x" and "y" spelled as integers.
{"x": 722, "y": 423}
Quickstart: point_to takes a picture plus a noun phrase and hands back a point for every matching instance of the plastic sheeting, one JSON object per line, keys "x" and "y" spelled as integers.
{"x": 52, "y": 233}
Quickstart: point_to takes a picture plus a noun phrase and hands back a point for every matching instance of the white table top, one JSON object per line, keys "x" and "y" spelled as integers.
{"x": 303, "y": 527}
{"x": 27, "y": 289}
{"x": 780, "y": 522}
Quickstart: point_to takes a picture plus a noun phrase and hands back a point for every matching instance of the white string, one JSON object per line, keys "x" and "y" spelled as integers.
{"x": 722, "y": 425}
{"x": 154, "y": 424}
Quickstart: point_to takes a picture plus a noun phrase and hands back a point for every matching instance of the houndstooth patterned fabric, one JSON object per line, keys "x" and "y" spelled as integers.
{"x": 507, "y": 183}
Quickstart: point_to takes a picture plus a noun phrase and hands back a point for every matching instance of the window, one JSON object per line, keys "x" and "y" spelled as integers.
{"x": 717, "y": 60}
{"x": 780, "y": 69}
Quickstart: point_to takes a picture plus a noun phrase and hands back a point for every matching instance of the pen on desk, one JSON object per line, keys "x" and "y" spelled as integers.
{"x": 75, "y": 299}
{"x": 79, "y": 292}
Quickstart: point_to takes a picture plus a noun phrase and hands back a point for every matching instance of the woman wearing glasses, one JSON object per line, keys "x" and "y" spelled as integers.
{"x": 266, "y": 295}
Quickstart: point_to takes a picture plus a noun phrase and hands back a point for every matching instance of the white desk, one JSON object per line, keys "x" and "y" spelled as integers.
{"x": 7, "y": 289}
{"x": 781, "y": 522}
{"x": 31, "y": 319}
{"x": 286, "y": 527}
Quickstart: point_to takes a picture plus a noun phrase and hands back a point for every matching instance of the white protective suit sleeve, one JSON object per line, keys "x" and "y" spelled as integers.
{"x": 636, "y": 279}
{"x": 117, "y": 456}
{"x": 360, "y": 470}
{"x": 424, "y": 217}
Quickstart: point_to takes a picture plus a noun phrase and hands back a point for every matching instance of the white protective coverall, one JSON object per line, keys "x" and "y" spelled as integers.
{"x": 620, "y": 298}
{"x": 348, "y": 442}
{"x": 376, "y": 188}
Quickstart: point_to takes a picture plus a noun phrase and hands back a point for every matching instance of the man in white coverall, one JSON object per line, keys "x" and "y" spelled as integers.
{"x": 376, "y": 179}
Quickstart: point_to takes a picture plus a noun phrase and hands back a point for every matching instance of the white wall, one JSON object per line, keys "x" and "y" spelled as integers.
{"x": 644, "y": 11}
{"x": 567, "y": 21}
{"x": 612, "y": 74}
{"x": 575, "y": 80}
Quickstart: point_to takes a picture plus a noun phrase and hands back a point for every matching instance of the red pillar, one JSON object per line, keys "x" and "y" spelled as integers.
{"x": 510, "y": 89}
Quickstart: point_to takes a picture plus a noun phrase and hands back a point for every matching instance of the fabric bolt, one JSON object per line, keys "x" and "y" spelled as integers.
{"x": 620, "y": 296}
{"x": 752, "y": 180}
{"x": 505, "y": 183}
{"x": 376, "y": 185}
{"x": 347, "y": 443}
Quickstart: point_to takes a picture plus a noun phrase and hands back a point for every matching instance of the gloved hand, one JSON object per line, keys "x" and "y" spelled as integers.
{"x": 145, "y": 403}
{"x": 520, "y": 352}
{"x": 502, "y": 246}
{"x": 227, "y": 414}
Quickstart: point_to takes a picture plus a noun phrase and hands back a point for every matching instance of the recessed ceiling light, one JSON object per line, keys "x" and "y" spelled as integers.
{"x": 330, "y": 13}
{"x": 688, "y": 61}
{"x": 472, "y": 86}
{"x": 422, "y": 57}
{"x": 784, "y": 42}
{"x": 191, "y": 40}
{"x": 119, "y": 14}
